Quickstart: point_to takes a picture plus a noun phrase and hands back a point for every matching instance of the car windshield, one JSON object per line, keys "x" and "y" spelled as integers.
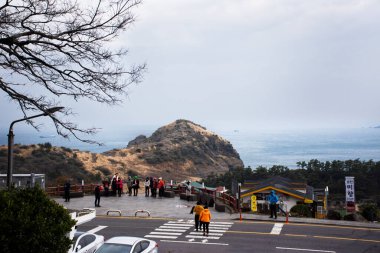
{"x": 76, "y": 236}
{"x": 114, "y": 248}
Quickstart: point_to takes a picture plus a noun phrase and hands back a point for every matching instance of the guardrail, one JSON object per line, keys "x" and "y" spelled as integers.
{"x": 59, "y": 190}
{"x": 114, "y": 211}
{"x": 142, "y": 211}
{"x": 228, "y": 200}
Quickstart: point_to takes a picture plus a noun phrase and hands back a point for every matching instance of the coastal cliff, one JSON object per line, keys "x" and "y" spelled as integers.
{"x": 177, "y": 151}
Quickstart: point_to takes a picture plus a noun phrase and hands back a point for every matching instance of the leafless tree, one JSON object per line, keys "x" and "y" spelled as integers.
{"x": 64, "y": 46}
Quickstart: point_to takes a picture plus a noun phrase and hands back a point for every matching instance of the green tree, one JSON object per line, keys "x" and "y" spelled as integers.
{"x": 31, "y": 222}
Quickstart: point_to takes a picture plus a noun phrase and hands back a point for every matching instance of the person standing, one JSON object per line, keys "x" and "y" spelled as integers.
{"x": 135, "y": 186}
{"x": 273, "y": 199}
{"x": 97, "y": 196}
{"x": 66, "y": 189}
{"x": 154, "y": 188}
{"x": 205, "y": 218}
{"x": 161, "y": 187}
{"x": 188, "y": 190}
{"x": 197, "y": 211}
{"x": 129, "y": 185}
{"x": 147, "y": 186}
{"x": 119, "y": 186}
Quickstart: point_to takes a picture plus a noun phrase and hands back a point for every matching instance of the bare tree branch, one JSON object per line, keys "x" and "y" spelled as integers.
{"x": 63, "y": 47}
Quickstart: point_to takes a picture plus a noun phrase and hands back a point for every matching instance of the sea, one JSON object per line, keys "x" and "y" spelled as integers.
{"x": 255, "y": 147}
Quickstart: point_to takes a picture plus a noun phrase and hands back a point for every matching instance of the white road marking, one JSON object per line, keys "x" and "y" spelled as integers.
{"x": 312, "y": 250}
{"x": 170, "y": 230}
{"x": 97, "y": 229}
{"x": 164, "y": 233}
{"x": 276, "y": 230}
{"x": 202, "y": 237}
{"x": 191, "y": 240}
{"x": 211, "y": 243}
{"x": 201, "y": 233}
{"x": 178, "y": 225}
{"x": 220, "y": 222}
{"x": 174, "y": 227}
{"x": 161, "y": 236}
{"x": 219, "y": 226}
{"x": 216, "y": 231}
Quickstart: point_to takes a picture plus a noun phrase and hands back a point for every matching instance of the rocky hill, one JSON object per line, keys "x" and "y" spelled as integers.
{"x": 176, "y": 151}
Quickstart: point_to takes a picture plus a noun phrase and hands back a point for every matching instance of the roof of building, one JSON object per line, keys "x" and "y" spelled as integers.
{"x": 279, "y": 184}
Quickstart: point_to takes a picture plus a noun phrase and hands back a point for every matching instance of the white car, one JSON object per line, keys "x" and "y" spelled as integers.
{"x": 86, "y": 242}
{"x": 127, "y": 244}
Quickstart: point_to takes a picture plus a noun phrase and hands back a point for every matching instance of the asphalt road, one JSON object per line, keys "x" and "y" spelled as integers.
{"x": 177, "y": 235}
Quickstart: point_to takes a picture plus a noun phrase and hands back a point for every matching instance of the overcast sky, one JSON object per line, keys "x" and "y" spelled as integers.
{"x": 246, "y": 64}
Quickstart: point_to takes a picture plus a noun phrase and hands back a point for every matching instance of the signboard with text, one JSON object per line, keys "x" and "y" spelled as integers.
{"x": 253, "y": 203}
{"x": 350, "y": 194}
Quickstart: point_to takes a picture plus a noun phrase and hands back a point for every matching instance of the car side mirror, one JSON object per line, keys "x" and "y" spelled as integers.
{"x": 78, "y": 248}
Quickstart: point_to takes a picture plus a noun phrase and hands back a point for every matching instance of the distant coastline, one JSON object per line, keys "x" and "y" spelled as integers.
{"x": 256, "y": 148}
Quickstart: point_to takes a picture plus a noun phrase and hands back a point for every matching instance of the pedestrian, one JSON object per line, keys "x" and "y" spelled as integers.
{"x": 147, "y": 186}
{"x": 106, "y": 184}
{"x": 135, "y": 185}
{"x": 66, "y": 189}
{"x": 119, "y": 186}
{"x": 188, "y": 190}
{"x": 97, "y": 196}
{"x": 161, "y": 187}
{"x": 197, "y": 211}
{"x": 205, "y": 218}
{"x": 129, "y": 185}
{"x": 273, "y": 199}
{"x": 154, "y": 188}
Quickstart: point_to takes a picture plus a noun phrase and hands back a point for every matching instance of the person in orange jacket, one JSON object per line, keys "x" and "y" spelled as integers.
{"x": 197, "y": 210}
{"x": 205, "y": 218}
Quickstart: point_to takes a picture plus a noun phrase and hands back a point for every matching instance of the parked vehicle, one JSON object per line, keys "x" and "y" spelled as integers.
{"x": 127, "y": 244}
{"x": 86, "y": 243}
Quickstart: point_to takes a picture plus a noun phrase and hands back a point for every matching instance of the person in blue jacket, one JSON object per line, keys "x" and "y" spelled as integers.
{"x": 273, "y": 199}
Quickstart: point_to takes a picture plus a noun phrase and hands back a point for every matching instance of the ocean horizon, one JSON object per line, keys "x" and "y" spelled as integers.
{"x": 255, "y": 147}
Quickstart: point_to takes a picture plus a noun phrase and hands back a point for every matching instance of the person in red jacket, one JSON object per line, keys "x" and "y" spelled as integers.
{"x": 119, "y": 186}
{"x": 205, "y": 218}
{"x": 161, "y": 187}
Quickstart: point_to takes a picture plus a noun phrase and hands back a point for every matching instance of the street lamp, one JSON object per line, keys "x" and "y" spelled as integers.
{"x": 11, "y": 139}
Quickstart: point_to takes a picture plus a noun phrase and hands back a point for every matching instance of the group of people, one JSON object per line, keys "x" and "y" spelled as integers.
{"x": 202, "y": 217}
{"x": 151, "y": 185}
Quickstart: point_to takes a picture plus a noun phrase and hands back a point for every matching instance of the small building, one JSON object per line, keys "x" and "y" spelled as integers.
{"x": 24, "y": 180}
{"x": 289, "y": 192}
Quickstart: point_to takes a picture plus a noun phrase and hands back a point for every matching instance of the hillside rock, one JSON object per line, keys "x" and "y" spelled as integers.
{"x": 180, "y": 150}
{"x": 185, "y": 148}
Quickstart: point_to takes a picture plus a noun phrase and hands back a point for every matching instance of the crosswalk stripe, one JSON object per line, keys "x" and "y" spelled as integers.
{"x": 164, "y": 233}
{"x": 161, "y": 236}
{"x": 216, "y": 231}
{"x": 181, "y": 222}
{"x": 170, "y": 230}
{"x": 202, "y": 237}
{"x": 220, "y": 225}
{"x": 276, "y": 230}
{"x": 174, "y": 227}
{"x": 201, "y": 233}
{"x": 220, "y": 222}
{"x": 178, "y": 225}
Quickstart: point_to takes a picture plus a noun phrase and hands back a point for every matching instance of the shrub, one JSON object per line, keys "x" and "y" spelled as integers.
{"x": 333, "y": 215}
{"x": 349, "y": 217}
{"x": 370, "y": 212}
{"x": 301, "y": 210}
{"x": 31, "y": 222}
